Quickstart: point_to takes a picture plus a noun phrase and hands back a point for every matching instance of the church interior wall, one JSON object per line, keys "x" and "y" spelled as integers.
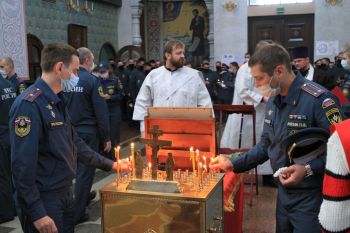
{"x": 124, "y": 25}
{"x": 331, "y": 28}
{"x": 49, "y": 22}
{"x": 230, "y": 29}
{"x": 289, "y": 9}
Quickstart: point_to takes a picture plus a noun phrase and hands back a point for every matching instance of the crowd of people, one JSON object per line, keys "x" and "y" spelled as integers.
{"x": 66, "y": 123}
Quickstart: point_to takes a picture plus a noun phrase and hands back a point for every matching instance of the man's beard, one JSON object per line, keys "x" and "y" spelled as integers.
{"x": 177, "y": 64}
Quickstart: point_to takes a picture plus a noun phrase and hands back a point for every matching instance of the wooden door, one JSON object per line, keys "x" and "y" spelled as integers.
{"x": 289, "y": 30}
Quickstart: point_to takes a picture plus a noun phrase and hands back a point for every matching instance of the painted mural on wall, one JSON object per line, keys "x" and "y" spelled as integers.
{"x": 187, "y": 21}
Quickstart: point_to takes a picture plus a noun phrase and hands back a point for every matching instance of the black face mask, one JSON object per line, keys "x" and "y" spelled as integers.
{"x": 140, "y": 68}
{"x": 121, "y": 68}
{"x": 131, "y": 66}
{"x": 147, "y": 72}
{"x": 205, "y": 70}
{"x": 218, "y": 68}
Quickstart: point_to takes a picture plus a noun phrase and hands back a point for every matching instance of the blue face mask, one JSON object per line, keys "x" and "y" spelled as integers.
{"x": 345, "y": 64}
{"x": 69, "y": 84}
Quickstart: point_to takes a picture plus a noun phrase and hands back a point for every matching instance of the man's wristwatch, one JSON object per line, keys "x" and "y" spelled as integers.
{"x": 308, "y": 170}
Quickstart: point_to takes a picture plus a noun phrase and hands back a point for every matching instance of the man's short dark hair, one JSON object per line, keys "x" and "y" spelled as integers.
{"x": 269, "y": 56}
{"x": 173, "y": 44}
{"x": 56, "y": 52}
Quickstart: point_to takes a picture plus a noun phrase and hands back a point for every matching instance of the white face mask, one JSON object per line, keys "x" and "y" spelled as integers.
{"x": 104, "y": 75}
{"x": 267, "y": 90}
{"x": 345, "y": 64}
{"x": 69, "y": 84}
{"x": 3, "y": 73}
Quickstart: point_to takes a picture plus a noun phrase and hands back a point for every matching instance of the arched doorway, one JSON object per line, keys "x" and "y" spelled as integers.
{"x": 129, "y": 52}
{"x": 107, "y": 52}
{"x": 34, "y": 56}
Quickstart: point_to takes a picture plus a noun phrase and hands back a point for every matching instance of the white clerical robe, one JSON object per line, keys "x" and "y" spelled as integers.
{"x": 183, "y": 87}
{"x": 245, "y": 92}
{"x": 310, "y": 74}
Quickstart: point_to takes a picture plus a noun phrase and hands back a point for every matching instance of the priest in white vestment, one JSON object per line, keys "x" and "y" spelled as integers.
{"x": 171, "y": 85}
{"x": 245, "y": 92}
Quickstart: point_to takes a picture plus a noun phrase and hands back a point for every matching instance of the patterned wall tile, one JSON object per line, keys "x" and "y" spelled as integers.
{"x": 49, "y": 22}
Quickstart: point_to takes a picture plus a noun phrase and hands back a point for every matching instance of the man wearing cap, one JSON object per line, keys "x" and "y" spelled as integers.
{"x": 89, "y": 114}
{"x": 298, "y": 104}
{"x": 113, "y": 94}
{"x": 210, "y": 78}
{"x": 301, "y": 62}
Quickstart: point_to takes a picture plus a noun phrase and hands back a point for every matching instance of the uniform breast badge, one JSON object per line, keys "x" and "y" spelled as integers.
{"x": 22, "y": 126}
{"x": 100, "y": 91}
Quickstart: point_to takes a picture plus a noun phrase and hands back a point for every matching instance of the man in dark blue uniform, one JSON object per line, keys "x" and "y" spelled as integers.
{"x": 225, "y": 86}
{"x": 89, "y": 114}
{"x": 7, "y": 70}
{"x": 113, "y": 94}
{"x": 298, "y": 104}
{"x": 45, "y": 148}
{"x": 210, "y": 78}
{"x": 7, "y": 206}
{"x": 120, "y": 73}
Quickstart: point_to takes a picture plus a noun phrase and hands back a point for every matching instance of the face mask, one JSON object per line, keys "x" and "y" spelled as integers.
{"x": 3, "y": 73}
{"x": 104, "y": 75}
{"x": 131, "y": 66}
{"x": 218, "y": 68}
{"x": 276, "y": 90}
{"x": 345, "y": 64}
{"x": 69, "y": 84}
{"x": 265, "y": 90}
{"x": 121, "y": 68}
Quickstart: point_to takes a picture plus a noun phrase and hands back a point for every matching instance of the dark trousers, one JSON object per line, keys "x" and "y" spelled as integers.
{"x": 114, "y": 121}
{"x": 59, "y": 206}
{"x": 84, "y": 178}
{"x": 7, "y": 204}
{"x": 297, "y": 211}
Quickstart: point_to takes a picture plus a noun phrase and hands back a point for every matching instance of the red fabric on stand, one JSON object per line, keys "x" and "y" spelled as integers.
{"x": 233, "y": 221}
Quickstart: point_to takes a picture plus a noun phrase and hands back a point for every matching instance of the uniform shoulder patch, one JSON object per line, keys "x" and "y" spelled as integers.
{"x": 33, "y": 94}
{"x": 100, "y": 91}
{"x": 312, "y": 89}
{"x": 22, "y": 126}
{"x": 334, "y": 116}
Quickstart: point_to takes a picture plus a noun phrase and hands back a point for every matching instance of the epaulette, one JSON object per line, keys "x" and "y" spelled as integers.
{"x": 33, "y": 94}
{"x": 312, "y": 89}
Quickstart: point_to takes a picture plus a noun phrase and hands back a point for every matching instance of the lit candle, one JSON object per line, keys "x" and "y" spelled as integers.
{"x": 133, "y": 159}
{"x": 116, "y": 153}
{"x": 149, "y": 166}
{"x": 205, "y": 168}
{"x": 193, "y": 159}
{"x": 205, "y": 160}
{"x": 197, "y": 159}
{"x": 200, "y": 173}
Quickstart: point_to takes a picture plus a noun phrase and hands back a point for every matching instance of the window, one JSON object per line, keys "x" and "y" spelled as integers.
{"x": 271, "y": 2}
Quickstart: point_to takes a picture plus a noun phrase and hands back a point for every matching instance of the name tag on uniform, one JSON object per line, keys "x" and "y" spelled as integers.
{"x": 297, "y": 124}
{"x": 58, "y": 123}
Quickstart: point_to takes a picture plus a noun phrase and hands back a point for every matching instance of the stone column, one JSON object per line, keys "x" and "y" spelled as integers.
{"x": 210, "y": 37}
{"x": 136, "y": 11}
{"x": 13, "y": 37}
